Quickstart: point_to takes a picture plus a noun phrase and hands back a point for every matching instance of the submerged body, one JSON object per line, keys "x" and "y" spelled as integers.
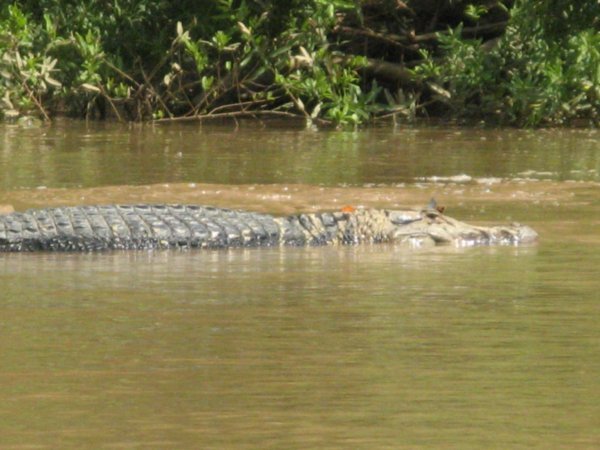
{"x": 121, "y": 227}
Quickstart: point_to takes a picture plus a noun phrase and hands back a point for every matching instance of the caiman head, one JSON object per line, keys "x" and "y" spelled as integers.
{"x": 430, "y": 227}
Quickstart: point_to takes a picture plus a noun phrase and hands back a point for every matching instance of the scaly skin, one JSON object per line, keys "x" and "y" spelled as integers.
{"x": 121, "y": 227}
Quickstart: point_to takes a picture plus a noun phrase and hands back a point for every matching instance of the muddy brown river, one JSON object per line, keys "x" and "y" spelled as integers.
{"x": 365, "y": 347}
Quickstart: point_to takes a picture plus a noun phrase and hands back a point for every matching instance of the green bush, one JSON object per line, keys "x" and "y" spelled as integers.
{"x": 26, "y": 65}
{"x": 144, "y": 59}
{"x": 544, "y": 71}
{"x": 186, "y": 58}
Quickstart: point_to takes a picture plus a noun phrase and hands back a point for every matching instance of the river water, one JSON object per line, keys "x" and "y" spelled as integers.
{"x": 358, "y": 347}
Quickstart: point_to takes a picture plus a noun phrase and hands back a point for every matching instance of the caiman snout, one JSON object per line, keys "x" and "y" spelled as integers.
{"x": 526, "y": 235}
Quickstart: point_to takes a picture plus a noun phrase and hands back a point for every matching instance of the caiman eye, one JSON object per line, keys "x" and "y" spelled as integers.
{"x": 403, "y": 217}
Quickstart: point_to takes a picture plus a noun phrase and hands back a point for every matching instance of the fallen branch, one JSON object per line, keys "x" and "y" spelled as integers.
{"x": 395, "y": 40}
{"x": 123, "y": 74}
{"x": 36, "y": 101}
{"x": 147, "y": 80}
{"x": 110, "y": 102}
{"x": 397, "y": 73}
{"x": 241, "y": 105}
{"x": 237, "y": 114}
{"x": 467, "y": 32}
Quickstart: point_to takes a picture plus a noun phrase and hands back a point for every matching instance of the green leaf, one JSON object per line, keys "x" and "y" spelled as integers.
{"x": 207, "y": 82}
{"x": 90, "y": 88}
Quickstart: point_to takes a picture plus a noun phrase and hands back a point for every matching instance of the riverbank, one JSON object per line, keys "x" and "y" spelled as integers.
{"x": 327, "y": 63}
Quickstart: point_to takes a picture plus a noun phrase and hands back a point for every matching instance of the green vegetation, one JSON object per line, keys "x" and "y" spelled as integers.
{"x": 544, "y": 70}
{"x": 342, "y": 62}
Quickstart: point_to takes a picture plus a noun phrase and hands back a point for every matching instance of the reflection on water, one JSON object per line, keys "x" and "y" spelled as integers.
{"x": 76, "y": 154}
{"x": 370, "y": 347}
{"x": 353, "y": 347}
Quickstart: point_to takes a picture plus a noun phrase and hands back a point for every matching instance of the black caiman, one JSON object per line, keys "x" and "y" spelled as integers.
{"x": 121, "y": 227}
